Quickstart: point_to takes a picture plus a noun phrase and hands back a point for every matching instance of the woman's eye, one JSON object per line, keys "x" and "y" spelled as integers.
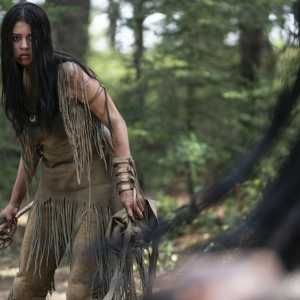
{"x": 30, "y": 38}
{"x": 15, "y": 38}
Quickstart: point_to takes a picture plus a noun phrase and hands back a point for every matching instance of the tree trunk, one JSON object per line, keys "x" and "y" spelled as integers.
{"x": 251, "y": 46}
{"x": 191, "y": 98}
{"x": 138, "y": 28}
{"x": 113, "y": 15}
{"x": 296, "y": 11}
{"x": 71, "y": 30}
{"x": 137, "y": 25}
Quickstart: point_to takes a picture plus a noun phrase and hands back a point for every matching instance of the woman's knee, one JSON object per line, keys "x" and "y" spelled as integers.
{"x": 29, "y": 286}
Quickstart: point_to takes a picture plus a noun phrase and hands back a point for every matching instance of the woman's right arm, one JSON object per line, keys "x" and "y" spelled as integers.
{"x": 18, "y": 194}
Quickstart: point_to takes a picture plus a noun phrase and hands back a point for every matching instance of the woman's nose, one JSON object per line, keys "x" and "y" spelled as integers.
{"x": 24, "y": 44}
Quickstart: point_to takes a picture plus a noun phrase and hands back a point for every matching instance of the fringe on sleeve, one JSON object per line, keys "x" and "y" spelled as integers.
{"x": 30, "y": 160}
{"x": 82, "y": 127}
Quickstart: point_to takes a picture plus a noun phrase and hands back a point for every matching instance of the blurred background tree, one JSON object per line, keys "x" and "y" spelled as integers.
{"x": 70, "y": 26}
{"x": 196, "y": 82}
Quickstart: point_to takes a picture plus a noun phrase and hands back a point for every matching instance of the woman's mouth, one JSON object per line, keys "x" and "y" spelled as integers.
{"x": 24, "y": 56}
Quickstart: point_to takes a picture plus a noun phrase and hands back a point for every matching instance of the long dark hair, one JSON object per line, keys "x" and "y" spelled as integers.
{"x": 45, "y": 60}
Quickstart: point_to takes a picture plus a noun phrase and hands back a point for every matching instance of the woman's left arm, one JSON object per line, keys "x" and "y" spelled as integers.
{"x": 97, "y": 100}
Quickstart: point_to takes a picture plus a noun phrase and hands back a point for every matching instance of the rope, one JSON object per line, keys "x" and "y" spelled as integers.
{"x": 6, "y": 237}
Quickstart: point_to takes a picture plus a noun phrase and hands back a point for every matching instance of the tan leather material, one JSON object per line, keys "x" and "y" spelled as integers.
{"x": 125, "y": 187}
{"x": 120, "y": 160}
{"x": 122, "y": 236}
{"x": 120, "y": 221}
{"x": 32, "y": 282}
{"x": 124, "y": 178}
{"x": 35, "y": 280}
{"x": 76, "y": 183}
{"x": 124, "y": 170}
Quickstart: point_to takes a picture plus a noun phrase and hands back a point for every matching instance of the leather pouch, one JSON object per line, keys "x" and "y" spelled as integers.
{"x": 123, "y": 236}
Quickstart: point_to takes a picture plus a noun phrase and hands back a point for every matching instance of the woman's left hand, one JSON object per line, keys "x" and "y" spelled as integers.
{"x": 132, "y": 209}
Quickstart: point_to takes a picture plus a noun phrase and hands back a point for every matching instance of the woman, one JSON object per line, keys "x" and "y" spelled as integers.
{"x": 60, "y": 114}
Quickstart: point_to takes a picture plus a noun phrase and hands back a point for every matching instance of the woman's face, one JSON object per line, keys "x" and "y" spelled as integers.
{"x": 22, "y": 43}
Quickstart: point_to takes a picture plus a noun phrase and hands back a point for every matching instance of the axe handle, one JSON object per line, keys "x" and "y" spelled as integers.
{"x": 24, "y": 210}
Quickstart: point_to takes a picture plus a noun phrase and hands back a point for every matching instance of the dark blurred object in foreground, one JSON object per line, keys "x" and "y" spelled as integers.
{"x": 257, "y": 275}
{"x": 276, "y": 221}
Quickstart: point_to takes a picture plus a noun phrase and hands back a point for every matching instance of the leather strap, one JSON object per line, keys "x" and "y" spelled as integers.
{"x": 117, "y": 273}
{"x": 138, "y": 197}
{"x": 98, "y": 93}
{"x": 123, "y": 160}
{"x": 125, "y": 178}
{"x": 120, "y": 160}
{"x": 125, "y": 170}
{"x": 125, "y": 187}
{"x": 153, "y": 263}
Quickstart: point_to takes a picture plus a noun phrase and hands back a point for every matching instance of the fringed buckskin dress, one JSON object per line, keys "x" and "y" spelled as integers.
{"x": 75, "y": 198}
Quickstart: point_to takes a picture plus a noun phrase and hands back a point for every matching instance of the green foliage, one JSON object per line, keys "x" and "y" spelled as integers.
{"x": 55, "y": 12}
{"x": 5, "y": 5}
{"x": 199, "y": 113}
{"x": 188, "y": 157}
{"x": 166, "y": 205}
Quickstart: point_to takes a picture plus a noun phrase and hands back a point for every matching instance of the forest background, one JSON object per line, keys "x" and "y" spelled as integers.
{"x": 196, "y": 82}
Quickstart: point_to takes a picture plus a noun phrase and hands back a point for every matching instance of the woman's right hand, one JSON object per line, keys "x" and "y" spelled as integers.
{"x": 9, "y": 214}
